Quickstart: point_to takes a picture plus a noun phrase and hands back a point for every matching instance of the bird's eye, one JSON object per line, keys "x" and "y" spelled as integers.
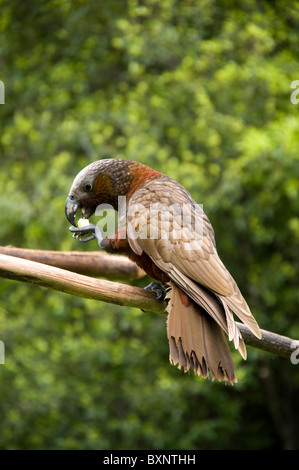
{"x": 88, "y": 187}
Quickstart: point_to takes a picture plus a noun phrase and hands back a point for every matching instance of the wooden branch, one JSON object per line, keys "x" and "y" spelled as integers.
{"x": 91, "y": 263}
{"x": 76, "y": 284}
{"x": 120, "y": 294}
{"x": 271, "y": 342}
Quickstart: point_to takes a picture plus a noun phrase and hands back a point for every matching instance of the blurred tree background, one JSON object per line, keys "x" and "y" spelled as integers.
{"x": 199, "y": 90}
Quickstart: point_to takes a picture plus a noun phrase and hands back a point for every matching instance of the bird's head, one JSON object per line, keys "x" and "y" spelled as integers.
{"x": 98, "y": 183}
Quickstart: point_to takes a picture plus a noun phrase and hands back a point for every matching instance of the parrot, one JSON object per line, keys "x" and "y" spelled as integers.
{"x": 167, "y": 234}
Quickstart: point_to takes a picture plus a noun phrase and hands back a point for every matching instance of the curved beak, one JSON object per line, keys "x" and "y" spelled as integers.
{"x": 71, "y": 207}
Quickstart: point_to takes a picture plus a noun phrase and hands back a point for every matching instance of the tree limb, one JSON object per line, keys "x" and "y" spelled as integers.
{"x": 113, "y": 292}
{"x": 76, "y": 284}
{"x": 91, "y": 263}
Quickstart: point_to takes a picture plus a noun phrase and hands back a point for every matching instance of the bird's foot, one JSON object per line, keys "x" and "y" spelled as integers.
{"x": 92, "y": 231}
{"x": 158, "y": 289}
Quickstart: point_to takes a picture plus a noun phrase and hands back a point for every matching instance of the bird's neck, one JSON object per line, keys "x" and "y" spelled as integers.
{"x": 140, "y": 174}
{"x": 120, "y": 177}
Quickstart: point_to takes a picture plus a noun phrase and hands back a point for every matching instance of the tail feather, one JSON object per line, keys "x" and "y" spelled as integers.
{"x": 216, "y": 306}
{"x": 196, "y": 341}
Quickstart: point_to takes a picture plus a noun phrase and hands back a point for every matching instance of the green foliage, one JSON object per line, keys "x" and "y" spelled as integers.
{"x": 196, "y": 89}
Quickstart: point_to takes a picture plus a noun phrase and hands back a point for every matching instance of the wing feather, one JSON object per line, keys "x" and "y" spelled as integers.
{"x": 183, "y": 246}
{"x": 188, "y": 243}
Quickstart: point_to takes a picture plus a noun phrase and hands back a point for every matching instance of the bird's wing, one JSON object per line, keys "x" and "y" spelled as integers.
{"x": 164, "y": 222}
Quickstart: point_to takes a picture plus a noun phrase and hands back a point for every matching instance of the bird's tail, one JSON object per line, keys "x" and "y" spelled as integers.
{"x": 195, "y": 340}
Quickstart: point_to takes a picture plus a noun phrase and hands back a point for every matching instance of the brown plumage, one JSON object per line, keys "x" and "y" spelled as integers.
{"x": 167, "y": 234}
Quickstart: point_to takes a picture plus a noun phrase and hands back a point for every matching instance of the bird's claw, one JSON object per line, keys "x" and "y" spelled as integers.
{"x": 158, "y": 289}
{"x": 80, "y": 233}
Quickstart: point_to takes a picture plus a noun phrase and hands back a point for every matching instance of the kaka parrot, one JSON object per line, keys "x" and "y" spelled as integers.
{"x": 178, "y": 251}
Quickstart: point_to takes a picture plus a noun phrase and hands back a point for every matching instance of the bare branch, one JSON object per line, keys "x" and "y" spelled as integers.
{"x": 120, "y": 294}
{"x": 91, "y": 263}
{"x": 76, "y": 284}
{"x": 271, "y": 342}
